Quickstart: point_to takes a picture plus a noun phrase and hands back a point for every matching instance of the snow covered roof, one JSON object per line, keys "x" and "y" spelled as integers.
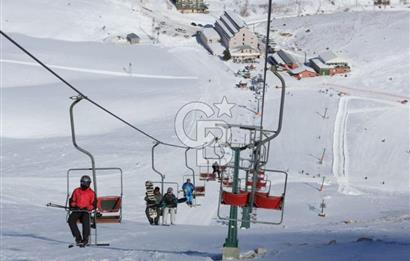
{"x": 210, "y": 33}
{"x": 225, "y": 30}
{"x": 287, "y": 58}
{"x": 276, "y": 59}
{"x": 301, "y": 69}
{"x": 319, "y": 63}
{"x": 132, "y": 36}
{"x": 235, "y": 18}
{"x": 230, "y": 23}
{"x": 330, "y": 57}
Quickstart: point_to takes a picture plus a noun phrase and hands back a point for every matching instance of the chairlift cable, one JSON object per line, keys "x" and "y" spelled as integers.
{"x": 85, "y": 96}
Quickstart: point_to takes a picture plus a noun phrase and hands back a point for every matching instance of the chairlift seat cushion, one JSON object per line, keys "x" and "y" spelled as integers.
{"x": 262, "y": 194}
{"x": 109, "y": 204}
{"x": 239, "y": 200}
{"x": 109, "y": 219}
{"x": 268, "y": 202}
{"x": 207, "y": 176}
{"x": 200, "y": 189}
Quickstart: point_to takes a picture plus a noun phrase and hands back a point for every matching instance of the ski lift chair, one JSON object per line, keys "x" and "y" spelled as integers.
{"x": 206, "y": 175}
{"x": 108, "y": 208}
{"x": 264, "y": 199}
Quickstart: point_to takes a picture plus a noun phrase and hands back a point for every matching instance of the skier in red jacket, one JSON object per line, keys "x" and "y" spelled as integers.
{"x": 82, "y": 201}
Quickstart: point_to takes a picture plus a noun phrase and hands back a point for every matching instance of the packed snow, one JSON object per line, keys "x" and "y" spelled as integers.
{"x": 359, "y": 123}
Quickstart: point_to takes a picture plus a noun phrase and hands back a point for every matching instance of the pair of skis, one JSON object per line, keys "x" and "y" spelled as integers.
{"x": 77, "y": 244}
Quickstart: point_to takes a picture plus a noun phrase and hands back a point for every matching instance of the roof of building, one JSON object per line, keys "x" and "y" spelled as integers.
{"x": 330, "y": 57}
{"x": 230, "y": 23}
{"x": 133, "y": 36}
{"x": 277, "y": 59}
{"x": 319, "y": 63}
{"x": 301, "y": 69}
{"x": 287, "y": 58}
{"x": 210, "y": 33}
{"x": 235, "y": 18}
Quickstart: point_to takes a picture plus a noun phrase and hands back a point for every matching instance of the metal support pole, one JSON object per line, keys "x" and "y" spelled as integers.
{"x": 247, "y": 210}
{"x": 77, "y": 99}
{"x": 231, "y": 249}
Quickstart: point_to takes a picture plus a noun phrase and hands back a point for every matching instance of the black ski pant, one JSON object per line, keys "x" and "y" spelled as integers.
{"x": 84, "y": 218}
{"x": 216, "y": 170}
{"x": 153, "y": 220}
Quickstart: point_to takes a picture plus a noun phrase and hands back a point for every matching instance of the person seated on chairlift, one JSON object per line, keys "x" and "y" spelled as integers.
{"x": 82, "y": 202}
{"x": 170, "y": 202}
{"x": 188, "y": 189}
{"x": 155, "y": 205}
{"x": 215, "y": 169}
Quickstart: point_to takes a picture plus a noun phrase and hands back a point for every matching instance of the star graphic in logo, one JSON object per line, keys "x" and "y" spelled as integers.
{"x": 224, "y": 107}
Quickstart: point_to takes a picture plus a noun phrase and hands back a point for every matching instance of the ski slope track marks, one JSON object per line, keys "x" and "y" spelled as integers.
{"x": 104, "y": 72}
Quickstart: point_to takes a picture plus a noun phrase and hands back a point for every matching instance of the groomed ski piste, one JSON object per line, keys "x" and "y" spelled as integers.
{"x": 365, "y": 134}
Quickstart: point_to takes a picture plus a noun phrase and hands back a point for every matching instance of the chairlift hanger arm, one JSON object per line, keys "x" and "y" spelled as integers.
{"x": 153, "y": 160}
{"x": 281, "y": 109}
{"x": 186, "y": 164}
{"x": 77, "y": 99}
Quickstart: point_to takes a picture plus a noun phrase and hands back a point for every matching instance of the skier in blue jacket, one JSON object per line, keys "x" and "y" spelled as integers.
{"x": 188, "y": 189}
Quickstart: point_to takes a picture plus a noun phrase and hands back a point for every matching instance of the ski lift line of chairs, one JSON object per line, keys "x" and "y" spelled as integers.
{"x": 261, "y": 199}
{"x": 108, "y": 208}
{"x": 199, "y": 191}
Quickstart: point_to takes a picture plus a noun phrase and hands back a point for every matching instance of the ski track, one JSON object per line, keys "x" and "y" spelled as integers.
{"x": 103, "y": 72}
{"x": 340, "y": 156}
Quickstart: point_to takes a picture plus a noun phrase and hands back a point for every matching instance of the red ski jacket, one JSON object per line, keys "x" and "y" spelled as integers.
{"x": 83, "y": 199}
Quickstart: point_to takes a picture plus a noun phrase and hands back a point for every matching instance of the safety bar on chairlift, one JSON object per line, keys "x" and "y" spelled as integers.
{"x": 97, "y": 169}
{"x": 253, "y": 221}
{"x": 153, "y": 166}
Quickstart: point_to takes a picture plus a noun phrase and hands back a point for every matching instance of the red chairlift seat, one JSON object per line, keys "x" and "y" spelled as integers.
{"x": 239, "y": 200}
{"x": 207, "y": 176}
{"x": 199, "y": 191}
{"x": 268, "y": 202}
{"x": 109, "y": 209}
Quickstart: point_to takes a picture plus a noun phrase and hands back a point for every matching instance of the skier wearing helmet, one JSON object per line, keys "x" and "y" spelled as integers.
{"x": 82, "y": 201}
